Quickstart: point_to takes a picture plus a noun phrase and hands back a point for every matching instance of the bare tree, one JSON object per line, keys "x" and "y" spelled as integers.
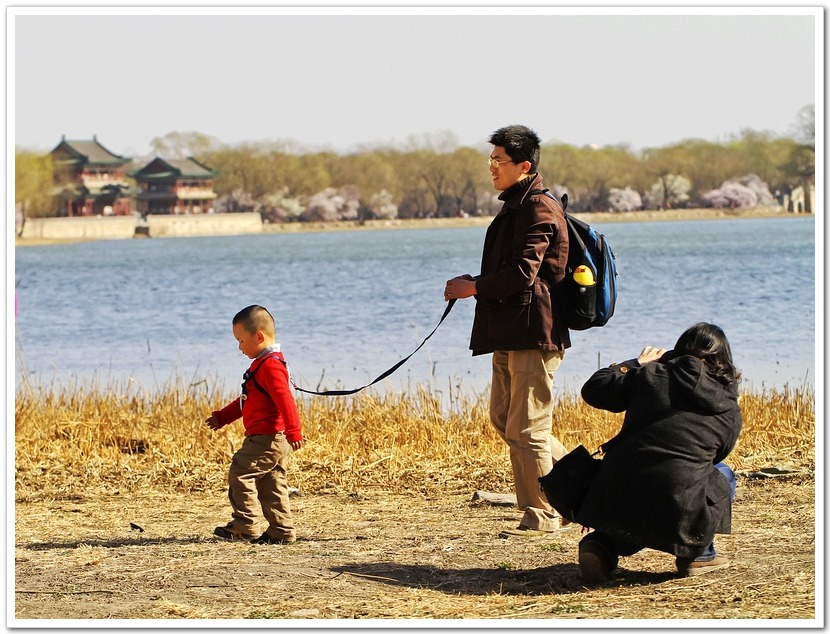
{"x": 179, "y": 145}
{"x": 805, "y": 125}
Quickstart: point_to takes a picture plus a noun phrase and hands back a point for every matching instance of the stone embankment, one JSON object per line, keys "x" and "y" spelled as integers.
{"x": 119, "y": 227}
{"x": 56, "y": 230}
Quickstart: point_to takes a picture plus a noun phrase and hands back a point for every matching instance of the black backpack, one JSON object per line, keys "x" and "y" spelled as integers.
{"x": 588, "y": 294}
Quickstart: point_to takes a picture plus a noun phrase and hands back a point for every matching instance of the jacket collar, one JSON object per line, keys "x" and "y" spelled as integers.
{"x": 268, "y": 352}
{"x": 514, "y": 196}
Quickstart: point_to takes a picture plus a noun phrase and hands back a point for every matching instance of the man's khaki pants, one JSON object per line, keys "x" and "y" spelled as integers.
{"x": 257, "y": 479}
{"x": 521, "y": 410}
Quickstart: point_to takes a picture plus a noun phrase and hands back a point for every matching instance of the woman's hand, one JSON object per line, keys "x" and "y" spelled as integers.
{"x": 650, "y": 354}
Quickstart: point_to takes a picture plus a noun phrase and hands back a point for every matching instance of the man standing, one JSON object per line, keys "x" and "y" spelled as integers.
{"x": 524, "y": 257}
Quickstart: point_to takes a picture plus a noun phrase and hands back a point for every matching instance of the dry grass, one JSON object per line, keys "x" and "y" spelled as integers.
{"x": 387, "y": 528}
{"x": 422, "y": 441}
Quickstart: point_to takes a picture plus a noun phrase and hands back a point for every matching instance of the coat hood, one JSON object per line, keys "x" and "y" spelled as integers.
{"x": 691, "y": 385}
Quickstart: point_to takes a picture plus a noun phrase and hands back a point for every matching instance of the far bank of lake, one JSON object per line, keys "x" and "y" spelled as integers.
{"x": 476, "y": 221}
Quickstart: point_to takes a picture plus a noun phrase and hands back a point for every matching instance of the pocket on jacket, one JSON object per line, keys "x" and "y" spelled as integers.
{"x": 541, "y": 312}
{"x": 510, "y": 315}
{"x": 517, "y": 300}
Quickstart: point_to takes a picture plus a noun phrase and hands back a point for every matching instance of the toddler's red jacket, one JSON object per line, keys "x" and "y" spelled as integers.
{"x": 264, "y": 413}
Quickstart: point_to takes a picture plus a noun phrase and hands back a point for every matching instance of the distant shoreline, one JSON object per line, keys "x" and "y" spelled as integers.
{"x": 480, "y": 221}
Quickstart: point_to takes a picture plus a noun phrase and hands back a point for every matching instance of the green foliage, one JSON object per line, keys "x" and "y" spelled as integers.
{"x": 33, "y": 184}
{"x": 433, "y": 176}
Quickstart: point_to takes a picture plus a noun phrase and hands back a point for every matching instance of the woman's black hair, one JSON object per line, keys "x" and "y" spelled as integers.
{"x": 708, "y": 342}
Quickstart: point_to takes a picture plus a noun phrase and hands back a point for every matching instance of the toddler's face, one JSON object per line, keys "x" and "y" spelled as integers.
{"x": 250, "y": 344}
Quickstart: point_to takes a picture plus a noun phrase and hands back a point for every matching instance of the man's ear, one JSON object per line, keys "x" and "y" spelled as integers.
{"x": 526, "y": 167}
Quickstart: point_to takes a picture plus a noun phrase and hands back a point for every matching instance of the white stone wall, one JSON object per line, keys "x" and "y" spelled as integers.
{"x": 163, "y": 226}
{"x": 116, "y": 227}
{"x": 86, "y": 228}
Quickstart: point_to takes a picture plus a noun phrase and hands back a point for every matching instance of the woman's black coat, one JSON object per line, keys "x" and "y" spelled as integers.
{"x": 657, "y": 486}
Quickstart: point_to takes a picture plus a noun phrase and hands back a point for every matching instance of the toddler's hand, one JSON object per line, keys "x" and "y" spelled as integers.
{"x": 212, "y": 423}
{"x": 296, "y": 444}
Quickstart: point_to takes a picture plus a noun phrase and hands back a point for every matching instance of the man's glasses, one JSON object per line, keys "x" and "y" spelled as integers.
{"x": 491, "y": 162}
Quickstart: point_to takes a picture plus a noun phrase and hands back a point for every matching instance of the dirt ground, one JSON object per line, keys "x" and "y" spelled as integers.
{"x": 384, "y": 555}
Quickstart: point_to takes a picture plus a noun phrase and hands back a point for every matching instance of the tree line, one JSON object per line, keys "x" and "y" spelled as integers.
{"x": 433, "y": 177}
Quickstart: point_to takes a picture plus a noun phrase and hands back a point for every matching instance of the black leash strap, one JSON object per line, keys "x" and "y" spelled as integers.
{"x": 447, "y": 310}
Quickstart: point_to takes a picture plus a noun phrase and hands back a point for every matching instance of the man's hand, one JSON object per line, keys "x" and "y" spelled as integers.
{"x": 650, "y": 354}
{"x": 460, "y": 287}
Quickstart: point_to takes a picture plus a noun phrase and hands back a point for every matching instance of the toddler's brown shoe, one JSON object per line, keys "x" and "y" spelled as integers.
{"x": 230, "y": 533}
{"x": 265, "y": 538}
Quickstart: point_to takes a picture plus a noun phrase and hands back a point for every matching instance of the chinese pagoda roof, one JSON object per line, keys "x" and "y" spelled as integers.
{"x": 86, "y": 151}
{"x": 160, "y": 168}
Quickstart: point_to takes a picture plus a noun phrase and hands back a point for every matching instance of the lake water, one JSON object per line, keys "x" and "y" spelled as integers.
{"x": 145, "y": 313}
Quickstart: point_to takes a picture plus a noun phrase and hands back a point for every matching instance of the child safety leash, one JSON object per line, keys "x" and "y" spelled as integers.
{"x": 447, "y": 310}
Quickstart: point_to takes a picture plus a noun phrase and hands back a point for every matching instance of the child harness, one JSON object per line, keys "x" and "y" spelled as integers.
{"x": 249, "y": 376}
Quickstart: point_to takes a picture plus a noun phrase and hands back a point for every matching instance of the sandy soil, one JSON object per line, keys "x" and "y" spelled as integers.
{"x": 382, "y": 555}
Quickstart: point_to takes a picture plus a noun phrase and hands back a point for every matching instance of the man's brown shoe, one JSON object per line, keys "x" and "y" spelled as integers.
{"x": 524, "y": 531}
{"x": 687, "y": 567}
{"x": 558, "y": 523}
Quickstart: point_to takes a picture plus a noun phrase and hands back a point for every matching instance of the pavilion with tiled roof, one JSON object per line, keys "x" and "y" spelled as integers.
{"x": 175, "y": 186}
{"x": 89, "y": 179}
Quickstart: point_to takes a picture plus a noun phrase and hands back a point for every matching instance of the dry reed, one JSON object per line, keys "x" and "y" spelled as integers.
{"x": 126, "y": 439}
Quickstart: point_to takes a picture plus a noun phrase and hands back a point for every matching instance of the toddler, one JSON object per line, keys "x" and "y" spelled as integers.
{"x": 257, "y": 475}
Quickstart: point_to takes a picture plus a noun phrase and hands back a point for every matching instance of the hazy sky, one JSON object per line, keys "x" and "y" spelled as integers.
{"x": 339, "y": 79}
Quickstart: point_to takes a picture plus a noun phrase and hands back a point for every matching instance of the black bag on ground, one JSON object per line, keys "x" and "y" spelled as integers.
{"x": 568, "y": 481}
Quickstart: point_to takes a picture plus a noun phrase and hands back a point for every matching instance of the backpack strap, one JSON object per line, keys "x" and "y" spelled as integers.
{"x": 546, "y": 192}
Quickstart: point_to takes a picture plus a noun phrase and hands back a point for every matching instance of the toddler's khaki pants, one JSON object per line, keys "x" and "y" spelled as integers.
{"x": 257, "y": 480}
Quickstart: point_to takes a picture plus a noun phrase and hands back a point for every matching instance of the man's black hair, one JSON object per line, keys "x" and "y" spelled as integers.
{"x": 520, "y": 142}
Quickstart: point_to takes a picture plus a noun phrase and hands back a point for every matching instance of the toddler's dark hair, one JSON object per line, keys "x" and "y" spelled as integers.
{"x": 256, "y": 317}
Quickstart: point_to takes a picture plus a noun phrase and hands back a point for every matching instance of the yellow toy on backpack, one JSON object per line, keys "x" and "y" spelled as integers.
{"x": 584, "y": 276}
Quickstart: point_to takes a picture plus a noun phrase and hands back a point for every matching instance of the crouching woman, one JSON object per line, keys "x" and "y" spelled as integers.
{"x": 662, "y": 483}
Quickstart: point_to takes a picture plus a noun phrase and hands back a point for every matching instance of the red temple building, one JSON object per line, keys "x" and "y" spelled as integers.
{"x": 89, "y": 180}
{"x": 180, "y": 186}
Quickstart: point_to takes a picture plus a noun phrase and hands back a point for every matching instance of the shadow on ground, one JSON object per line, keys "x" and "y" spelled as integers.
{"x": 117, "y": 543}
{"x": 557, "y": 579}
